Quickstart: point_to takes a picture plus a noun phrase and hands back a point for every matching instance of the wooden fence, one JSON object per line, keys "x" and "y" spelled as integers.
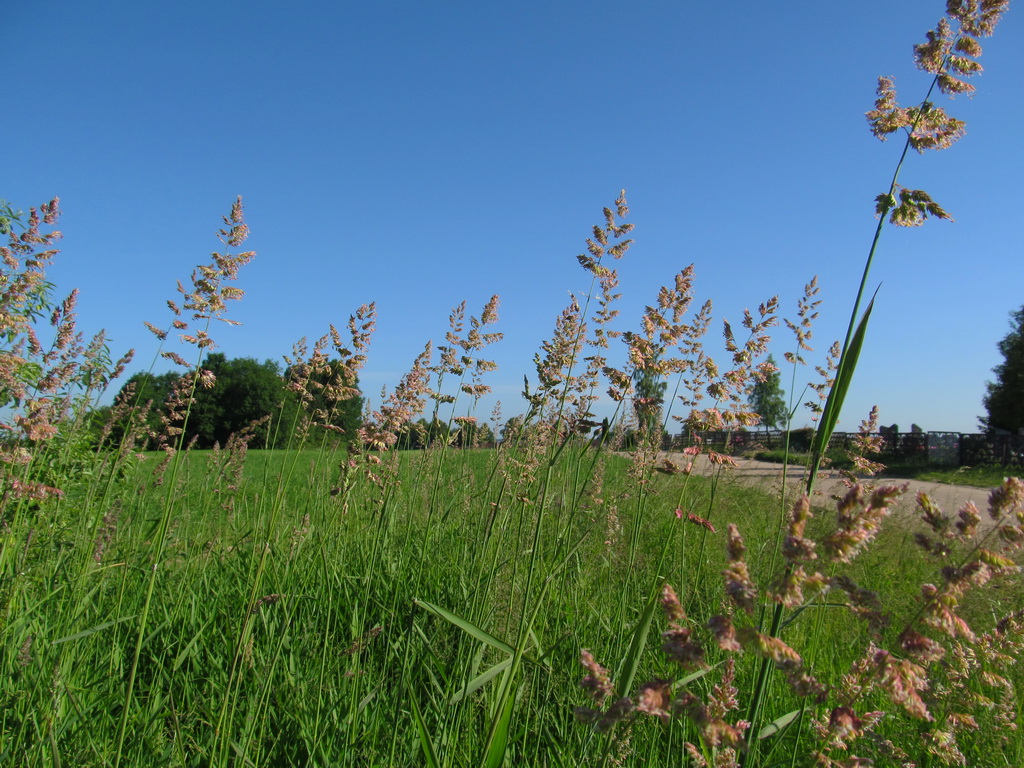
{"x": 942, "y": 448}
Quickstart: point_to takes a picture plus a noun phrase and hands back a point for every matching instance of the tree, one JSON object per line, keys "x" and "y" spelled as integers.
{"x": 767, "y": 401}
{"x": 1004, "y": 400}
{"x": 245, "y": 391}
{"x": 484, "y": 435}
{"x": 512, "y": 430}
{"x": 435, "y": 431}
{"x": 474, "y": 435}
{"x": 649, "y": 398}
{"x": 411, "y": 436}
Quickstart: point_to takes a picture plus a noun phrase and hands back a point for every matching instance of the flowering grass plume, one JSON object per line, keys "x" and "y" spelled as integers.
{"x": 47, "y": 386}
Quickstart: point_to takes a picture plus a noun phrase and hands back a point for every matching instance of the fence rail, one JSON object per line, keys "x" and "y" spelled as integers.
{"x": 943, "y": 448}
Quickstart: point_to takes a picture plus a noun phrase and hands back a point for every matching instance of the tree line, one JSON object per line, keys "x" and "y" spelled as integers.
{"x": 247, "y": 394}
{"x": 243, "y": 394}
{"x": 253, "y": 397}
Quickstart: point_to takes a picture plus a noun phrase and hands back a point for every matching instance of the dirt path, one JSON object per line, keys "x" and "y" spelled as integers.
{"x": 762, "y": 473}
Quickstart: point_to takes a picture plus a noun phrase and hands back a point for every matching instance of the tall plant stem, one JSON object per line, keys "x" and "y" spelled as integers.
{"x": 161, "y": 543}
{"x": 844, "y": 357}
{"x": 843, "y": 370}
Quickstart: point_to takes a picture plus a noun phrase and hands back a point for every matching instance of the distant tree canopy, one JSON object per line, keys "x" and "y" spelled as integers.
{"x": 321, "y": 402}
{"x": 417, "y": 435}
{"x": 1004, "y": 400}
{"x": 649, "y": 400}
{"x": 474, "y": 435}
{"x": 423, "y": 433}
{"x": 512, "y": 429}
{"x": 246, "y": 391}
{"x": 767, "y": 401}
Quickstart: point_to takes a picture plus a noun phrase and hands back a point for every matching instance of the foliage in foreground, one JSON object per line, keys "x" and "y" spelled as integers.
{"x": 369, "y": 606}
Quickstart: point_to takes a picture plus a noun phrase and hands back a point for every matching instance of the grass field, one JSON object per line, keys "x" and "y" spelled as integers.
{"x": 981, "y": 477}
{"x": 298, "y": 620}
{"x": 549, "y": 602}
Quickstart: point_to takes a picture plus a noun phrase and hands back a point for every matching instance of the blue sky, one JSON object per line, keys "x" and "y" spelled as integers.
{"x": 420, "y": 154}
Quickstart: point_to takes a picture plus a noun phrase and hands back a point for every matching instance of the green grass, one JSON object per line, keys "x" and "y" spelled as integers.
{"x": 835, "y": 459}
{"x": 981, "y": 477}
{"x": 376, "y": 620}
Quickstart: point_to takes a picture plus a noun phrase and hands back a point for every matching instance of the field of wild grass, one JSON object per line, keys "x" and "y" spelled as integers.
{"x": 552, "y": 601}
{"x": 293, "y": 623}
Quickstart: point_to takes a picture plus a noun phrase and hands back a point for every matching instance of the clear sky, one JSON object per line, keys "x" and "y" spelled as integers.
{"x": 418, "y": 154}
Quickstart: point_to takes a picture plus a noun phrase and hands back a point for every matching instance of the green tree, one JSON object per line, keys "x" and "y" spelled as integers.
{"x": 411, "y": 436}
{"x": 767, "y": 400}
{"x": 244, "y": 392}
{"x": 512, "y": 429}
{"x": 484, "y": 435}
{"x": 474, "y": 435}
{"x": 649, "y": 398}
{"x": 1004, "y": 400}
{"x": 339, "y": 401}
{"x": 435, "y": 431}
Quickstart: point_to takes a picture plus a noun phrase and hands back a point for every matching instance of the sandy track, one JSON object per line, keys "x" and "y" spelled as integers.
{"x": 762, "y": 473}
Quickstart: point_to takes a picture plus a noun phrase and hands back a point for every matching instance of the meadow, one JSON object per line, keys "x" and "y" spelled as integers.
{"x": 290, "y": 623}
{"x": 567, "y": 597}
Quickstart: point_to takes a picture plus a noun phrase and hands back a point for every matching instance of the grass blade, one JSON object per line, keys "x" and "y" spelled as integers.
{"x": 695, "y": 676}
{"x": 92, "y": 630}
{"x": 481, "y": 680}
{"x": 837, "y": 394}
{"x": 498, "y": 742}
{"x": 778, "y": 724}
{"x": 184, "y": 653}
{"x": 468, "y": 627}
{"x": 421, "y": 729}
{"x": 471, "y": 629}
{"x": 630, "y": 663}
